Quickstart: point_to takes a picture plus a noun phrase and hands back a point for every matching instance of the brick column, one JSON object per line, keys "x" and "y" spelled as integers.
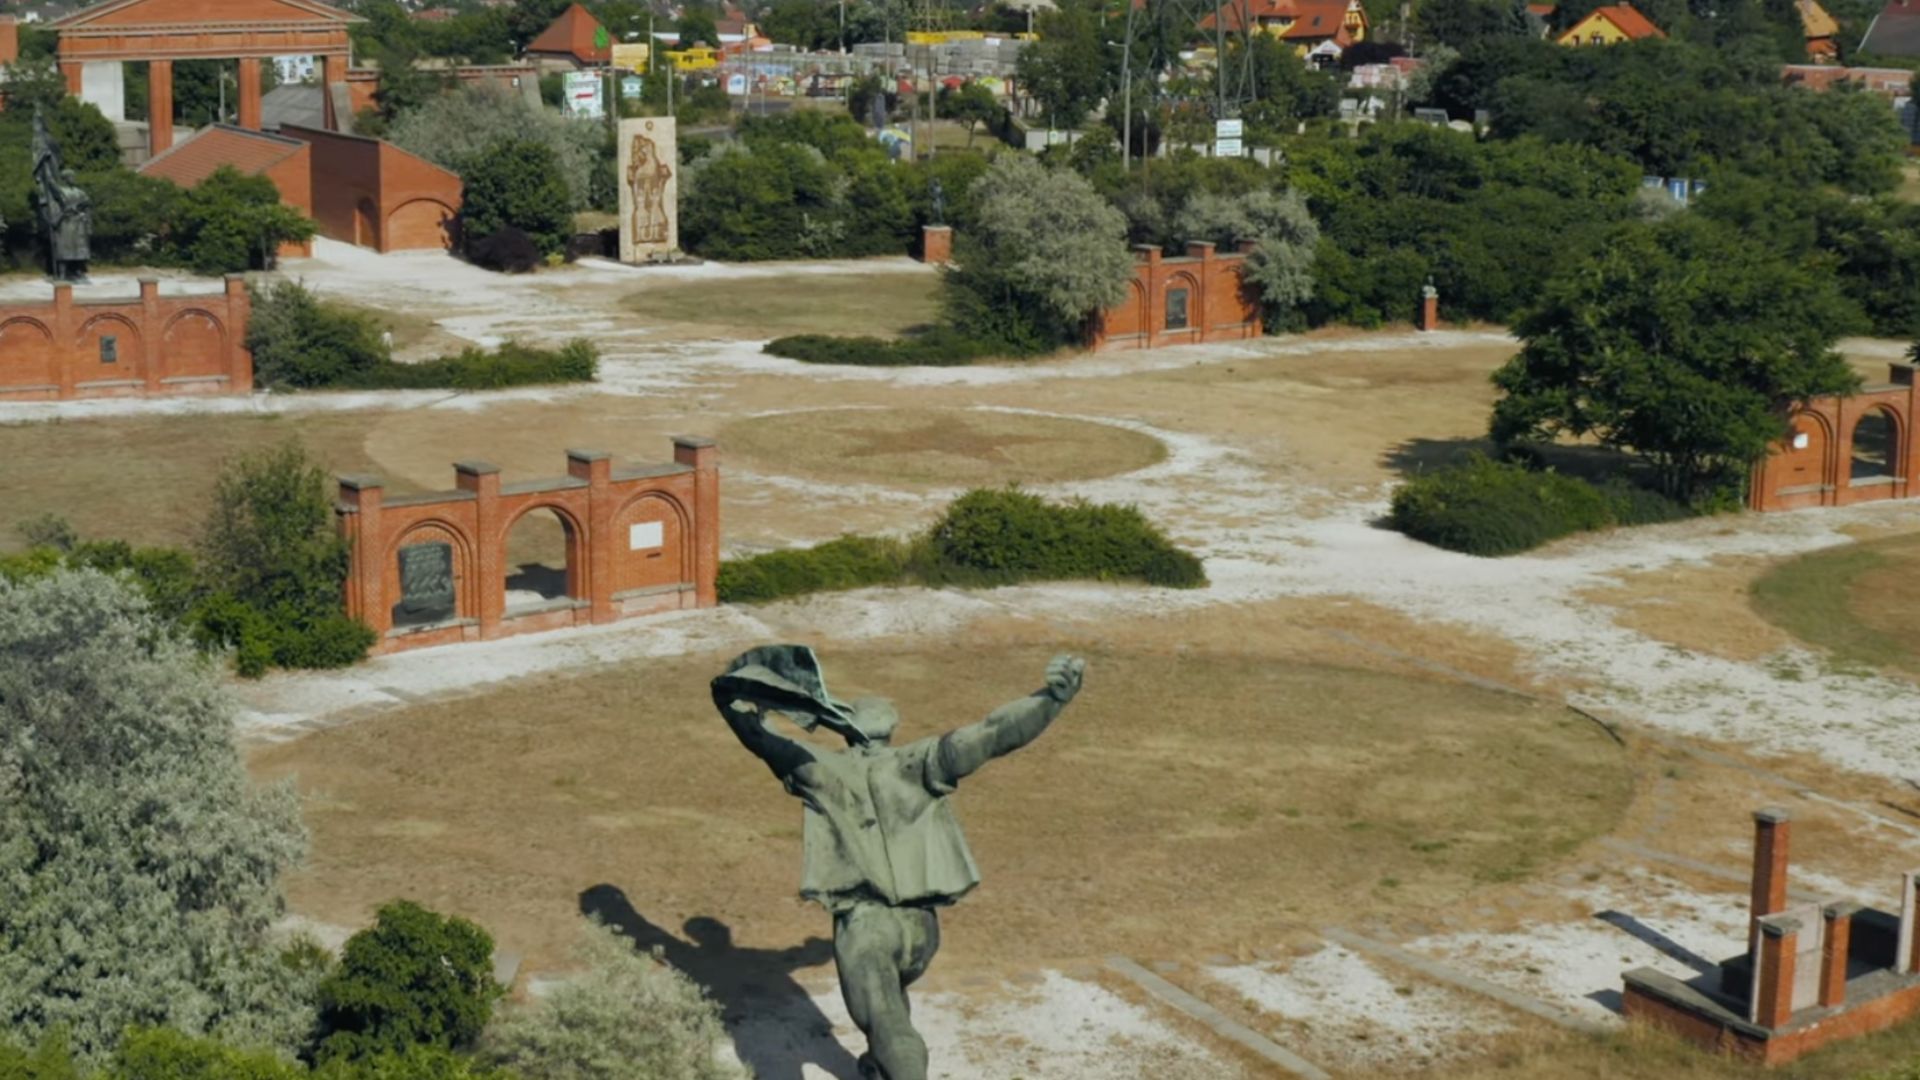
{"x": 596, "y": 468}
{"x": 159, "y": 106}
{"x": 65, "y": 352}
{"x": 249, "y": 110}
{"x": 150, "y": 338}
{"x": 704, "y": 457}
{"x": 490, "y": 554}
{"x": 1773, "y": 994}
{"x": 1772, "y": 828}
{"x": 1200, "y": 307}
{"x": 936, "y": 244}
{"x": 1152, "y": 312}
{"x": 239, "y": 359}
{"x": 70, "y": 71}
{"x": 1429, "y": 310}
{"x": 333, "y": 69}
{"x": 358, "y": 517}
{"x": 9, "y": 39}
{"x": 1833, "y": 952}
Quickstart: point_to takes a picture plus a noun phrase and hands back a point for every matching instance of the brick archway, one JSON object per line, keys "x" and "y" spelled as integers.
{"x": 111, "y": 350}
{"x": 193, "y": 345}
{"x": 420, "y": 224}
{"x": 574, "y": 585}
{"x": 1815, "y": 463}
{"x": 27, "y": 354}
{"x": 430, "y": 531}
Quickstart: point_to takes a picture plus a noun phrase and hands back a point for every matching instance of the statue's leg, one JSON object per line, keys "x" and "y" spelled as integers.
{"x": 871, "y": 944}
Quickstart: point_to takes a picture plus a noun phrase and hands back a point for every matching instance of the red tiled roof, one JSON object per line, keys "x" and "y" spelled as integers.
{"x": 1630, "y": 21}
{"x": 1311, "y": 18}
{"x": 573, "y": 33}
{"x": 1543, "y": 10}
{"x": 249, "y": 152}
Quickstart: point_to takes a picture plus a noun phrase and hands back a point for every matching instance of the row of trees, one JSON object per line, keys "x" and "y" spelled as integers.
{"x": 139, "y": 892}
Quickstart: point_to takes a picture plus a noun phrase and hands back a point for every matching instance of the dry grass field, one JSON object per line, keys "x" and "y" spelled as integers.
{"x": 882, "y": 304}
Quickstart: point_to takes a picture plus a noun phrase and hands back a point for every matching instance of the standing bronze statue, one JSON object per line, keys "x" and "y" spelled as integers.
{"x": 66, "y": 213}
{"x": 883, "y": 850}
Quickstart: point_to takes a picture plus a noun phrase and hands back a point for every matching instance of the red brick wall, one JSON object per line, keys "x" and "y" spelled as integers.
{"x": 9, "y": 39}
{"x": 1219, "y": 307}
{"x": 639, "y": 540}
{"x": 377, "y": 195}
{"x": 164, "y": 345}
{"x": 294, "y": 179}
{"x": 1819, "y": 473}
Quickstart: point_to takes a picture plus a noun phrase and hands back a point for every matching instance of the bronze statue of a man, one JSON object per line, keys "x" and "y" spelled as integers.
{"x": 883, "y": 849}
{"x": 66, "y": 213}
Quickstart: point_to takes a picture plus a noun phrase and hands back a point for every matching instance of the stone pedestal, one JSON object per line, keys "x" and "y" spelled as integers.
{"x": 936, "y": 244}
{"x": 1429, "y": 316}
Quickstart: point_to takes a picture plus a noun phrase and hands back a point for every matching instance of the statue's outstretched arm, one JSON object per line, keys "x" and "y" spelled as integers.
{"x": 1013, "y": 725}
{"x": 749, "y": 723}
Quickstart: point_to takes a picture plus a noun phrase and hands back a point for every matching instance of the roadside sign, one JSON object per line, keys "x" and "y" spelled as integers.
{"x": 1227, "y": 148}
{"x": 1228, "y": 129}
{"x": 583, "y": 94}
{"x": 630, "y": 87}
{"x": 631, "y": 57}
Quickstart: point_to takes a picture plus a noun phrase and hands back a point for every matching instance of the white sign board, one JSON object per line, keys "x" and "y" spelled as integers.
{"x": 630, "y": 87}
{"x": 646, "y": 535}
{"x": 582, "y": 95}
{"x": 1228, "y": 129}
{"x": 1226, "y": 148}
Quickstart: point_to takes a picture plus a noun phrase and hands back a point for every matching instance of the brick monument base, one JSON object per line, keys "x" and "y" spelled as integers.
{"x": 936, "y": 244}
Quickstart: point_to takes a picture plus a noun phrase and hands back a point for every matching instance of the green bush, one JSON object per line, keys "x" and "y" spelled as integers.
{"x": 512, "y": 364}
{"x": 994, "y": 536}
{"x": 414, "y": 978}
{"x": 851, "y": 562}
{"x": 1487, "y": 507}
{"x": 165, "y": 1054}
{"x": 302, "y": 342}
{"x": 939, "y": 347}
{"x": 516, "y": 182}
{"x": 987, "y": 537}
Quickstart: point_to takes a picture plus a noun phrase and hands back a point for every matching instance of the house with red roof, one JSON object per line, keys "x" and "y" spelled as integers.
{"x": 1611, "y": 25}
{"x": 571, "y": 42}
{"x": 1320, "y": 30}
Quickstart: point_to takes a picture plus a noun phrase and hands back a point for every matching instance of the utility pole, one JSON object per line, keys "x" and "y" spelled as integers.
{"x": 1126, "y": 88}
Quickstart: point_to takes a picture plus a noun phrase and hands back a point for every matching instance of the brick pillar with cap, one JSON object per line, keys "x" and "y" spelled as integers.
{"x": 1772, "y": 829}
{"x": 357, "y": 516}
{"x": 483, "y": 479}
{"x": 1834, "y": 944}
{"x": 703, "y": 455}
{"x": 596, "y": 468}
{"x": 936, "y": 244}
{"x": 1773, "y": 997}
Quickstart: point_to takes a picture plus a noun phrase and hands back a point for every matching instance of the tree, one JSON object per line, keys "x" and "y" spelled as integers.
{"x": 695, "y": 27}
{"x": 454, "y": 129}
{"x": 1066, "y": 70}
{"x": 299, "y": 341}
{"x": 1285, "y": 239}
{"x": 1045, "y": 252}
{"x": 232, "y": 222}
{"x": 517, "y": 183}
{"x": 971, "y": 104}
{"x": 527, "y": 18}
{"x": 628, "y": 1015}
{"x": 270, "y": 552}
{"x": 804, "y": 24}
{"x": 1671, "y": 342}
{"x": 413, "y": 978}
{"x": 138, "y": 867}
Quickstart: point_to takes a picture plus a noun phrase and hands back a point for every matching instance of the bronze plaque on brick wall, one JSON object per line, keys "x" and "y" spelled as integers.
{"x": 426, "y": 584}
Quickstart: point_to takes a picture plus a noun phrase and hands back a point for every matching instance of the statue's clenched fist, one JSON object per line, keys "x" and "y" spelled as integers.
{"x": 1063, "y": 677}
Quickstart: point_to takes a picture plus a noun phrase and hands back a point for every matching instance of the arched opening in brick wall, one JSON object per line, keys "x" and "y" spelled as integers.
{"x": 542, "y": 564}
{"x": 653, "y": 542}
{"x": 429, "y": 576}
{"x": 1875, "y": 450}
{"x": 26, "y": 353}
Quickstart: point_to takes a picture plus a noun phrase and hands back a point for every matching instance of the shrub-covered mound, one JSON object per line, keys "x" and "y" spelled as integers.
{"x": 1487, "y": 507}
{"x": 987, "y": 537}
{"x": 939, "y": 347}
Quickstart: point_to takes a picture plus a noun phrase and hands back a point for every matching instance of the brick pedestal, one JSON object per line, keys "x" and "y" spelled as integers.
{"x": 936, "y": 244}
{"x": 1429, "y": 316}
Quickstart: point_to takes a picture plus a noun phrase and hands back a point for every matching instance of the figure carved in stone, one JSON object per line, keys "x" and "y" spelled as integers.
{"x": 647, "y": 175}
{"x": 66, "y": 213}
{"x": 884, "y": 851}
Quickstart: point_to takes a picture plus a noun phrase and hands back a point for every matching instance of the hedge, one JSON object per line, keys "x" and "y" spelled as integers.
{"x": 1491, "y": 508}
{"x": 474, "y": 368}
{"x": 939, "y": 347}
{"x": 986, "y": 537}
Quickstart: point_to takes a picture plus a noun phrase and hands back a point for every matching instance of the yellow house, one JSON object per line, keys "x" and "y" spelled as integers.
{"x": 1318, "y": 29}
{"x": 1610, "y": 25}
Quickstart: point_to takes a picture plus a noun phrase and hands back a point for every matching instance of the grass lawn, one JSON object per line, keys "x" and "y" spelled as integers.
{"x": 1297, "y": 792}
{"x": 884, "y": 303}
{"x": 1860, "y": 602}
{"x": 1641, "y": 1054}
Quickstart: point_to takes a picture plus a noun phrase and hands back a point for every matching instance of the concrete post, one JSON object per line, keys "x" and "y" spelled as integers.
{"x": 483, "y": 479}
{"x": 239, "y": 359}
{"x": 358, "y": 517}
{"x": 152, "y": 334}
{"x": 159, "y": 106}
{"x": 1773, "y": 997}
{"x": 1772, "y": 829}
{"x": 596, "y": 586}
{"x": 248, "y": 112}
{"x": 704, "y": 456}
{"x": 1833, "y": 952}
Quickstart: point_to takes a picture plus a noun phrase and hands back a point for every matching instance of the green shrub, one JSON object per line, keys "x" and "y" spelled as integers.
{"x": 851, "y": 562}
{"x": 512, "y": 364}
{"x": 164, "y": 1054}
{"x": 987, "y": 537}
{"x": 1487, "y": 507}
{"x": 414, "y": 977}
{"x": 993, "y": 536}
{"x": 516, "y": 182}
{"x": 939, "y": 347}
{"x": 302, "y": 342}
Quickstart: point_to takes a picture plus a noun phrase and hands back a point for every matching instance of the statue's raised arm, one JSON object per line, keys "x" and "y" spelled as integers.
{"x": 1013, "y": 725}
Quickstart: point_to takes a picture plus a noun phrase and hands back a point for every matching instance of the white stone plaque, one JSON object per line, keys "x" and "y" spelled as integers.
{"x": 645, "y": 535}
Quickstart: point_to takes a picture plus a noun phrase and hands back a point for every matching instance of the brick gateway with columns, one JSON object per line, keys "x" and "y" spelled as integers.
{"x": 432, "y": 569}
{"x": 1842, "y": 450}
{"x": 149, "y": 344}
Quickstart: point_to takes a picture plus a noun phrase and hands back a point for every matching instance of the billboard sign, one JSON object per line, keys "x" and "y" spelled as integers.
{"x": 582, "y": 94}
{"x": 1228, "y": 129}
{"x": 631, "y": 57}
{"x": 1227, "y": 148}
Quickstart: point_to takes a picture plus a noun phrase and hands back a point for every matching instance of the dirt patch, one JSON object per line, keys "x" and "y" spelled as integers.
{"x": 1297, "y": 792}
{"x": 1704, "y": 608}
{"x": 947, "y": 447}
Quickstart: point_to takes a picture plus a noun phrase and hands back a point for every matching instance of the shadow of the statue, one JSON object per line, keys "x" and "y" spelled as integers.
{"x": 776, "y": 1027}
